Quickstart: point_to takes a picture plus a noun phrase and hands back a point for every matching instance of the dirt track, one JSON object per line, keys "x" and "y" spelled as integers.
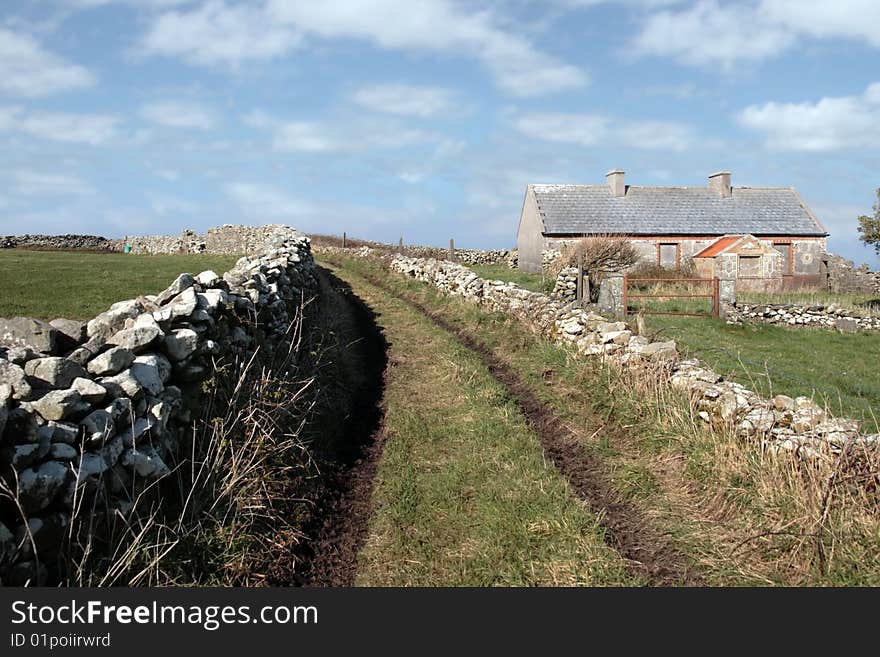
{"x": 647, "y": 549}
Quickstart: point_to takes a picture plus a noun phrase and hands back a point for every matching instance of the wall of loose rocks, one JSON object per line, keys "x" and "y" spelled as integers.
{"x": 65, "y": 242}
{"x": 96, "y": 413}
{"x": 779, "y": 424}
{"x": 845, "y": 277}
{"x": 226, "y": 239}
{"x": 796, "y": 316}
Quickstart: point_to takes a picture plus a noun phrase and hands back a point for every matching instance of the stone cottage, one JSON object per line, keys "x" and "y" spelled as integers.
{"x": 671, "y": 224}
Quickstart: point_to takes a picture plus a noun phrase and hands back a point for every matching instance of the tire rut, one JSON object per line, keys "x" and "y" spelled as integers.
{"x": 648, "y": 550}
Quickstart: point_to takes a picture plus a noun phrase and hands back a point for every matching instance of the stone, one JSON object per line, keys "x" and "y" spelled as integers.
{"x": 53, "y": 371}
{"x": 71, "y": 333}
{"x": 63, "y": 452}
{"x": 60, "y": 404}
{"x": 4, "y": 416}
{"x": 27, "y": 332}
{"x": 111, "y": 361}
{"x": 139, "y": 336}
{"x": 135, "y": 430}
{"x": 181, "y": 343}
{"x": 846, "y": 325}
{"x": 14, "y": 376}
{"x": 208, "y": 278}
{"x": 159, "y": 361}
{"x": 20, "y": 355}
{"x": 92, "y": 392}
{"x": 107, "y": 323}
{"x": 37, "y": 487}
{"x": 181, "y": 283}
{"x": 124, "y": 384}
{"x": 62, "y": 432}
{"x": 7, "y": 543}
{"x": 660, "y": 350}
{"x": 147, "y": 376}
{"x": 145, "y": 462}
{"x": 783, "y": 403}
{"x": 98, "y": 425}
{"x": 22, "y": 456}
{"x": 90, "y": 465}
{"x": 180, "y": 306}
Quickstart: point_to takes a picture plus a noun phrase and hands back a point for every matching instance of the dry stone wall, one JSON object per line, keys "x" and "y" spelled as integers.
{"x": 844, "y": 276}
{"x": 95, "y": 413}
{"x": 781, "y": 424}
{"x": 790, "y": 315}
{"x": 60, "y": 242}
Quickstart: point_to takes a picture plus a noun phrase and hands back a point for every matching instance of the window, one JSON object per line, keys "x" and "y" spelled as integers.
{"x": 667, "y": 255}
{"x": 749, "y": 267}
{"x": 785, "y": 249}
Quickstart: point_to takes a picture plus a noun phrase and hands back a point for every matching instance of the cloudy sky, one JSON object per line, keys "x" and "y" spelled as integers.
{"x": 389, "y": 118}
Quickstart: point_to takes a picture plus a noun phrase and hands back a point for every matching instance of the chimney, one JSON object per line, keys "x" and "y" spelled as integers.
{"x": 720, "y": 182}
{"x": 616, "y": 183}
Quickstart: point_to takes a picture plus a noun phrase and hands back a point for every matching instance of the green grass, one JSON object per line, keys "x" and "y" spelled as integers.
{"x": 464, "y": 494}
{"x": 838, "y": 370}
{"x": 77, "y": 285}
{"x": 528, "y": 280}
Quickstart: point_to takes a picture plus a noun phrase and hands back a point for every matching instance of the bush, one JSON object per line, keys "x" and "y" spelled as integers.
{"x": 601, "y": 255}
{"x": 687, "y": 269}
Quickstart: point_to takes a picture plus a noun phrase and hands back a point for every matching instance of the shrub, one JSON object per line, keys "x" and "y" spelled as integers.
{"x": 602, "y": 254}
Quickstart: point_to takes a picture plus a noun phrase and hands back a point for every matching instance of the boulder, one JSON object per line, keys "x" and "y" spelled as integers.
{"x": 14, "y": 376}
{"x": 139, "y": 336}
{"x": 147, "y": 376}
{"x": 63, "y": 452}
{"x": 71, "y": 333}
{"x": 92, "y": 392}
{"x": 37, "y": 487}
{"x": 60, "y": 404}
{"x": 159, "y": 361}
{"x": 111, "y": 361}
{"x": 660, "y": 350}
{"x": 27, "y": 332}
{"x": 107, "y": 323}
{"x": 181, "y": 283}
{"x": 181, "y": 343}
{"x": 124, "y": 384}
{"x": 180, "y": 306}
{"x": 208, "y": 278}
{"x": 53, "y": 371}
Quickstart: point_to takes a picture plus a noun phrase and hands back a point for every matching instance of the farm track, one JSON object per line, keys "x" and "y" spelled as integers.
{"x": 646, "y": 548}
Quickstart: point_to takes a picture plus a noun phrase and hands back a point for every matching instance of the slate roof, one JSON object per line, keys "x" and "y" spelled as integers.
{"x": 591, "y": 209}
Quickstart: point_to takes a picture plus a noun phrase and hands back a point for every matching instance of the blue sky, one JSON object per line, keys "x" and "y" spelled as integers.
{"x": 423, "y": 119}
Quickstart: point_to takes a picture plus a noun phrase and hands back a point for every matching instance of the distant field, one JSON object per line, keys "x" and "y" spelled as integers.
{"x": 75, "y": 285}
{"x": 838, "y": 370}
{"x": 533, "y": 282}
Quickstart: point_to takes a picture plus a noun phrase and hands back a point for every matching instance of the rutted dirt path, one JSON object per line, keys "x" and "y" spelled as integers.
{"x": 648, "y": 550}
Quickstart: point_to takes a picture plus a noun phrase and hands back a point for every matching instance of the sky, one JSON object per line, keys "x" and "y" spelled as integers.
{"x": 424, "y": 119}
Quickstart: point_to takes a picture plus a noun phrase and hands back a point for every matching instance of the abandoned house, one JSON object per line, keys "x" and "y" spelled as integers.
{"x": 763, "y": 236}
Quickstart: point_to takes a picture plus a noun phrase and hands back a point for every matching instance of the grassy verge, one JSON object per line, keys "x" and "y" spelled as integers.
{"x": 743, "y": 516}
{"x": 838, "y": 370}
{"x": 528, "y": 280}
{"x": 463, "y": 494}
{"x": 76, "y": 285}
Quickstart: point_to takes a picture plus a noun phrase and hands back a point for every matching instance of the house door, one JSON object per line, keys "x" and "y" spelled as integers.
{"x": 668, "y": 256}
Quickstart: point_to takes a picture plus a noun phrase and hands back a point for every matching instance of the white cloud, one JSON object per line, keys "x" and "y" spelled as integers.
{"x": 28, "y": 70}
{"x": 848, "y": 19}
{"x": 179, "y": 114}
{"x": 218, "y": 33}
{"x": 348, "y": 137}
{"x": 710, "y": 34}
{"x": 594, "y": 129}
{"x": 39, "y": 183}
{"x": 60, "y": 126}
{"x": 408, "y": 100}
{"x": 171, "y": 205}
{"x": 831, "y": 123}
{"x": 263, "y": 201}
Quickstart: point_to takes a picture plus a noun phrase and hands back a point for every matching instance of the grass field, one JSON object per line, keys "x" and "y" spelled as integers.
{"x": 530, "y": 281}
{"x": 76, "y": 285}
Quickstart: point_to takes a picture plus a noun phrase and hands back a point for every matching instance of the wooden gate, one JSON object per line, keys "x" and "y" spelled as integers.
{"x": 711, "y": 287}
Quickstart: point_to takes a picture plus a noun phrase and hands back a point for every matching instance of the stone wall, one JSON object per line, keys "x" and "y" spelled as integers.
{"x": 226, "y": 239}
{"x": 845, "y": 277}
{"x": 784, "y": 424}
{"x": 61, "y": 242}
{"x": 795, "y": 315}
{"x": 94, "y": 414}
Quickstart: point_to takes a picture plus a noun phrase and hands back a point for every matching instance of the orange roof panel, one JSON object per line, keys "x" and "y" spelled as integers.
{"x": 717, "y": 247}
